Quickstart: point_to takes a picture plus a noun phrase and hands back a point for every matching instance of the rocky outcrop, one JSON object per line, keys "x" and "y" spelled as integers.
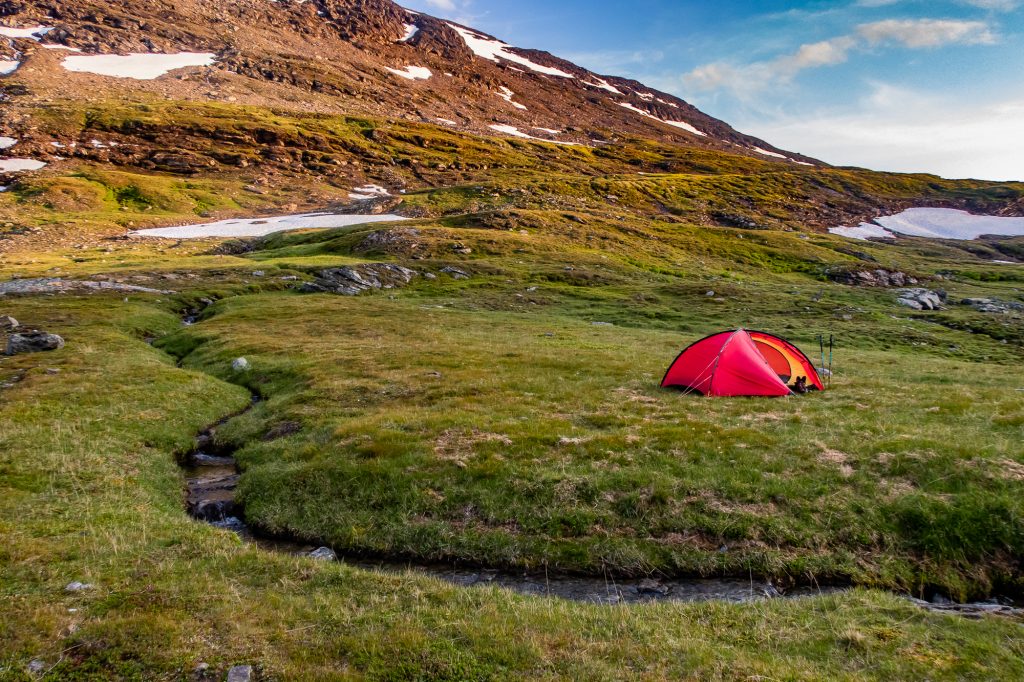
{"x": 33, "y": 342}
{"x": 55, "y": 285}
{"x": 921, "y": 299}
{"x": 871, "y": 278}
{"x": 982, "y": 305}
{"x": 350, "y": 281}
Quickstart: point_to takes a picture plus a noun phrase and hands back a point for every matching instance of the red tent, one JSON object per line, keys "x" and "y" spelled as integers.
{"x": 740, "y": 362}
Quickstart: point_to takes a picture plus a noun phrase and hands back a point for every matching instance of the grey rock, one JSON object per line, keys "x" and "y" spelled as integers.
{"x": 350, "y": 281}
{"x": 77, "y": 586}
{"x": 323, "y": 554}
{"x": 258, "y": 273}
{"x": 8, "y": 323}
{"x": 710, "y": 293}
{"x": 993, "y": 305}
{"x": 36, "y": 666}
{"x": 240, "y": 673}
{"x": 920, "y": 299}
{"x": 455, "y": 273}
{"x": 56, "y": 285}
{"x": 33, "y": 342}
{"x": 872, "y": 278}
{"x": 240, "y": 365}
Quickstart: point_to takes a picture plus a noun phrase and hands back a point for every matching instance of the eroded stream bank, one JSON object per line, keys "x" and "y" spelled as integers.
{"x": 212, "y": 476}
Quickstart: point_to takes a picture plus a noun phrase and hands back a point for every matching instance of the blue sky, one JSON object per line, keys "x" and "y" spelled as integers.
{"x": 902, "y": 85}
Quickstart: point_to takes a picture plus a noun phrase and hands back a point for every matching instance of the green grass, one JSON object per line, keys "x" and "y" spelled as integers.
{"x": 546, "y": 442}
{"x": 91, "y": 493}
{"x": 490, "y": 420}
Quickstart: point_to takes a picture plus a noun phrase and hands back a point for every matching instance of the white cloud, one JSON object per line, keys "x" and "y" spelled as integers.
{"x": 925, "y": 33}
{"x": 992, "y": 5}
{"x": 996, "y": 5}
{"x": 744, "y": 80}
{"x": 943, "y": 136}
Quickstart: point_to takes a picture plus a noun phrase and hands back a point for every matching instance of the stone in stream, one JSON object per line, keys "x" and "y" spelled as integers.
{"x": 240, "y": 365}
{"x": 323, "y": 554}
{"x": 33, "y": 342}
{"x": 8, "y": 323}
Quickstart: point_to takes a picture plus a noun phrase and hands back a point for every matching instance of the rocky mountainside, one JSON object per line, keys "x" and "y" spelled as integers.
{"x": 360, "y": 57}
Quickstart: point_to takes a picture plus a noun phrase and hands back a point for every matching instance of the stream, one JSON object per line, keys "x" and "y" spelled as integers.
{"x": 212, "y": 476}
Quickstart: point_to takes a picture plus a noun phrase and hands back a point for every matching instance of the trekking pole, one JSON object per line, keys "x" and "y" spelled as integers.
{"x": 831, "y": 343}
{"x": 821, "y": 345}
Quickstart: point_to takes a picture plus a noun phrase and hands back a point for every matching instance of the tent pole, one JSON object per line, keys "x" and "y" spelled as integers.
{"x": 821, "y": 345}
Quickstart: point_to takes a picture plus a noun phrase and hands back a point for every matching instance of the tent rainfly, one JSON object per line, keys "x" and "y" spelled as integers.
{"x": 741, "y": 363}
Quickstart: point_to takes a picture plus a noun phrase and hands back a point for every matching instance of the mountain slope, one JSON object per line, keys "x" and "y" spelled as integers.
{"x": 367, "y": 57}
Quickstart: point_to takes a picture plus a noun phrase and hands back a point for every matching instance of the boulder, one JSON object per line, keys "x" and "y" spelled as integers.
{"x": 8, "y": 323}
{"x": 240, "y": 365}
{"x": 240, "y": 673}
{"x": 921, "y": 299}
{"x": 33, "y": 342}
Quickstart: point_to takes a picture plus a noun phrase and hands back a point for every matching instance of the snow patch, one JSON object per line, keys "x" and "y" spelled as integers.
{"x": 18, "y": 165}
{"x": 410, "y": 32}
{"x": 412, "y": 73}
{"x": 32, "y": 33}
{"x": 936, "y": 223}
{"x": 516, "y": 132}
{"x": 676, "y": 124}
{"x": 507, "y": 95}
{"x": 7, "y": 142}
{"x": 140, "y": 66}
{"x": 945, "y": 223}
{"x": 447, "y": 121}
{"x": 258, "y": 227}
{"x": 604, "y": 85}
{"x": 548, "y": 130}
{"x": 8, "y": 66}
{"x": 492, "y": 49}
{"x": 768, "y": 153}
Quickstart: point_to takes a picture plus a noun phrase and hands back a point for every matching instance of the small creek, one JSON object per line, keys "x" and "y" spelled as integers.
{"x": 212, "y": 478}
